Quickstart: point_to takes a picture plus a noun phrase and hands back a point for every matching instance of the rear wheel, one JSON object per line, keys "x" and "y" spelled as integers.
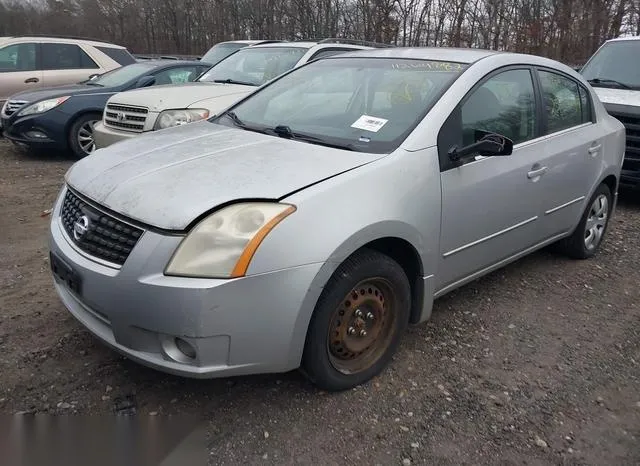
{"x": 587, "y": 237}
{"x": 358, "y": 322}
{"x": 81, "y": 139}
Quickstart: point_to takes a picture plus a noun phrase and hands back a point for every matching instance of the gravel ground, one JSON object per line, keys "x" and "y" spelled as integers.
{"x": 538, "y": 363}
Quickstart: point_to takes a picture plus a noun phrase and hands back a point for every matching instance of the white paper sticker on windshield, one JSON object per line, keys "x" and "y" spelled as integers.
{"x": 369, "y": 123}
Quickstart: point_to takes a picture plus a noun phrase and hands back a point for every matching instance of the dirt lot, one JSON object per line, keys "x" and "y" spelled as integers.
{"x": 536, "y": 364}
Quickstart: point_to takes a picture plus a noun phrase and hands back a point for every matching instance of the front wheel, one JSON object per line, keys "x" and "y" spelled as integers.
{"x": 81, "y": 139}
{"x": 358, "y": 322}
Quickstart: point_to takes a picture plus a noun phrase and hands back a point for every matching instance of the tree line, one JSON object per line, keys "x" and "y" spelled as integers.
{"x": 566, "y": 30}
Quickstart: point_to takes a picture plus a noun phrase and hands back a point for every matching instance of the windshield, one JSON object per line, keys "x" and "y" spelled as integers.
{"x": 617, "y": 61}
{"x": 122, "y": 75}
{"x": 362, "y": 104}
{"x": 221, "y": 51}
{"x": 255, "y": 66}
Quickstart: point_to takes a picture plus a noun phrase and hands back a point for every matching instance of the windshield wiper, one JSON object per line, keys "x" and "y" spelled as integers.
{"x": 285, "y": 132}
{"x": 234, "y": 81}
{"x": 608, "y": 81}
{"x": 241, "y": 124}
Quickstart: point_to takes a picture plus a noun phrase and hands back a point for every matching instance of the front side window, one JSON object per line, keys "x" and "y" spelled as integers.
{"x": 367, "y": 104}
{"x": 65, "y": 57}
{"x": 18, "y": 57}
{"x": 563, "y": 107}
{"x": 254, "y": 66}
{"x": 615, "y": 65}
{"x": 504, "y": 104}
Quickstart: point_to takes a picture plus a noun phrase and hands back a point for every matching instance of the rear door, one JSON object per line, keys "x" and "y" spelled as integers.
{"x": 572, "y": 151}
{"x": 19, "y": 70}
{"x": 66, "y": 64}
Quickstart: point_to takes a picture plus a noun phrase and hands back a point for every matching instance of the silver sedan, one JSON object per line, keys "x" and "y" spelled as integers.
{"x": 311, "y": 222}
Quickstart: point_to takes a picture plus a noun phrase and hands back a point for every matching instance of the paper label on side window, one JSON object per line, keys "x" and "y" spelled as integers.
{"x": 369, "y": 123}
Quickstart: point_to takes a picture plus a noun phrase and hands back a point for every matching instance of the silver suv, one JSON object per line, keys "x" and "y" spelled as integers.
{"x": 29, "y": 63}
{"x": 129, "y": 114}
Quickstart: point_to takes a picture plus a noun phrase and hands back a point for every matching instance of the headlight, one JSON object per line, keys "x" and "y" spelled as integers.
{"x": 222, "y": 245}
{"x": 170, "y": 118}
{"x": 42, "y": 106}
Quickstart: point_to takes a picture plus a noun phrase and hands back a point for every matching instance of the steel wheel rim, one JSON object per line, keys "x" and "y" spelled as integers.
{"x": 85, "y": 137}
{"x": 361, "y": 327}
{"x": 596, "y": 222}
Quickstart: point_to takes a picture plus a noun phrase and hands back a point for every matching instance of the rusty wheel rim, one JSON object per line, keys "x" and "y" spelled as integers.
{"x": 361, "y": 327}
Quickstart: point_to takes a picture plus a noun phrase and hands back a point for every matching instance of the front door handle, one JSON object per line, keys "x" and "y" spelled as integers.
{"x": 31, "y": 80}
{"x": 536, "y": 173}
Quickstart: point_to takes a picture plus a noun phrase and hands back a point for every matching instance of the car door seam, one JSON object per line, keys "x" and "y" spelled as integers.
{"x": 562, "y": 206}
{"x": 491, "y": 236}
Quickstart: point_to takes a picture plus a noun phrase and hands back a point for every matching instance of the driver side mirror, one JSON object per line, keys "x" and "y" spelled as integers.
{"x": 487, "y": 144}
{"x": 146, "y": 81}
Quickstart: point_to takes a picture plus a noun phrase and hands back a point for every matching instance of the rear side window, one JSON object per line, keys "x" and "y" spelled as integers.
{"x": 121, "y": 56}
{"x": 563, "y": 105}
{"x": 18, "y": 57}
{"x": 180, "y": 75}
{"x": 65, "y": 57}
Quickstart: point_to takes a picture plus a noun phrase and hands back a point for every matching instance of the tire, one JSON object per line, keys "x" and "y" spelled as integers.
{"x": 369, "y": 293}
{"x": 586, "y": 239}
{"x": 80, "y": 137}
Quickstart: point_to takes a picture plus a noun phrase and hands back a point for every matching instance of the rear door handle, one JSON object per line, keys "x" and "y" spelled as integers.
{"x": 31, "y": 80}
{"x": 593, "y": 150}
{"x": 536, "y": 173}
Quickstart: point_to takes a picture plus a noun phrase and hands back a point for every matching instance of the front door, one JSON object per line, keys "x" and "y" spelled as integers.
{"x": 491, "y": 205}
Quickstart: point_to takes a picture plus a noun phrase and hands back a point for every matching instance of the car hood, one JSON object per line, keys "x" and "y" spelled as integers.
{"x": 59, "y": 91}
{"x": 168, "y": 178}
{"x": 618, "y": 96}
{"x": 159, "y": 98}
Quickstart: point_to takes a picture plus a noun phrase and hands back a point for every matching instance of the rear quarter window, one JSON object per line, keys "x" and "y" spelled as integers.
{"x": 121, "y": 56}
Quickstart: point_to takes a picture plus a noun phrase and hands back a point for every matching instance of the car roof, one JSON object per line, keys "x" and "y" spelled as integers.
{"x": 619, "y": 39}
{"x": 160, "y": 62}
{"x": 61, "y": 39}
{"x": 302, "y": 45}
{"x": 460, "y": 55}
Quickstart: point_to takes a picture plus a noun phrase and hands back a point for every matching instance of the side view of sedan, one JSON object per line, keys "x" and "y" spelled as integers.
{"x": 313, "y": 221}
{"x": 62, "y": 117}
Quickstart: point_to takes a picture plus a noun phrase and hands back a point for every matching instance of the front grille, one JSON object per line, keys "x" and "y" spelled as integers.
{"x": 126, "y": 117}
{"x": 12, "y": 106}
{"x": 632, "y": 150}
{"x": 106, "y": 237}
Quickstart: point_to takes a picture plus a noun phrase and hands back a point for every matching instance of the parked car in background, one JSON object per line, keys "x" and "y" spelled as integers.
{"x": 312, "y": 221}
{"x": 34, "y": 62}
{"x": 614, "y": 72}
{"x": 225, "y": 83}
{"x": 222, "y": 50}
{"x": 63, "y": 117}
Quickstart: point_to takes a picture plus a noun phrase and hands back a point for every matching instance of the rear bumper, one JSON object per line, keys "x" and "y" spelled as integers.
{"x": 104, "y": 136}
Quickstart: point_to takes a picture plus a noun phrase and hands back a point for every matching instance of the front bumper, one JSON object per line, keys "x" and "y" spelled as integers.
{"x": 240, "y": 326}
{"x": 103, "y": 136}
{"x": 42, "y": 131}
